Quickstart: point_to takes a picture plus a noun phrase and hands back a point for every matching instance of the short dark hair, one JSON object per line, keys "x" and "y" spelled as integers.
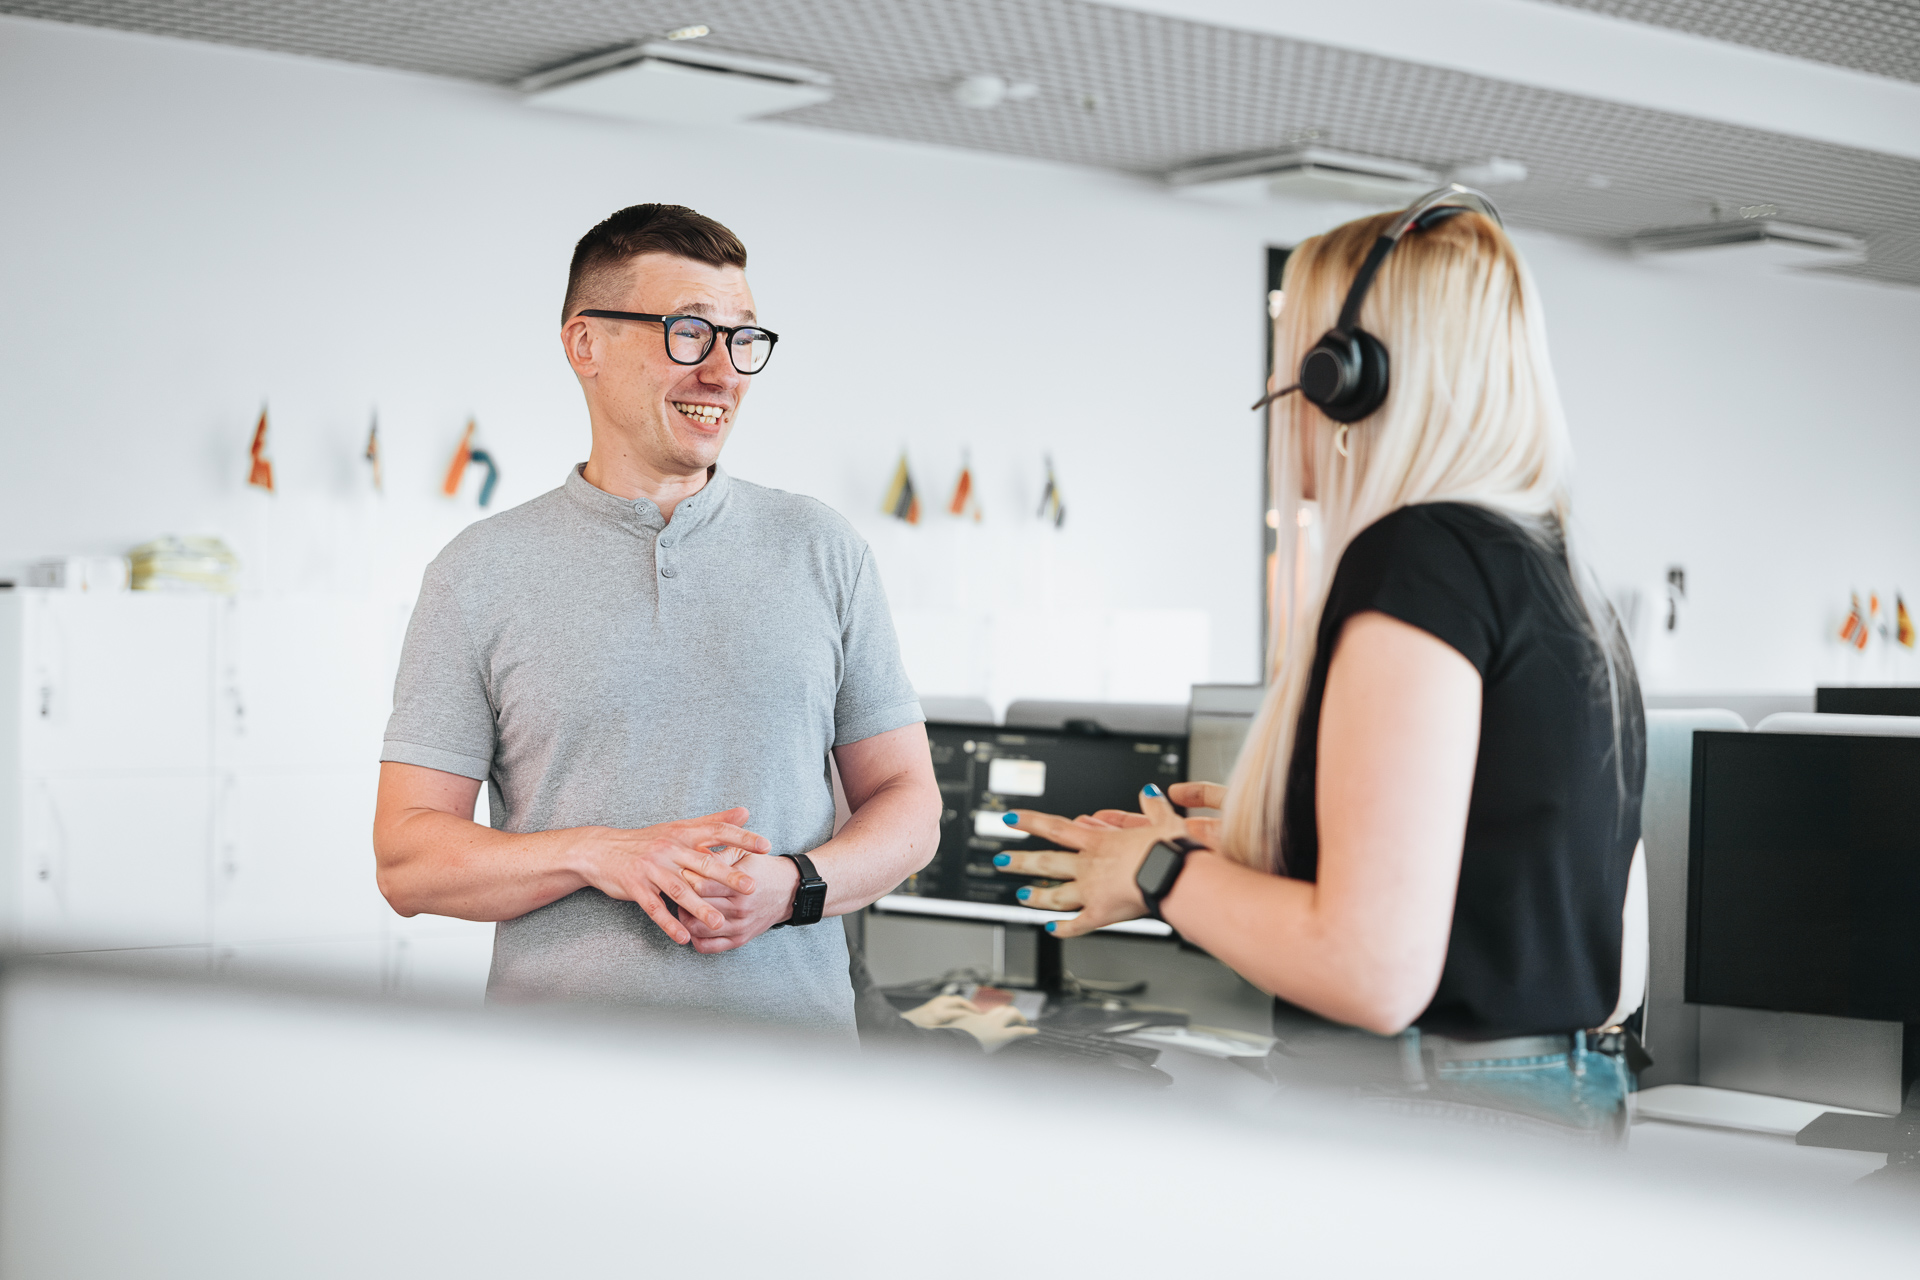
{"x": 643, "y": 228}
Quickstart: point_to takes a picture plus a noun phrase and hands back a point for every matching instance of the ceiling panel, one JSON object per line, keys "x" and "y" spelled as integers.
{"x": 1130, "y": 91}
{"x": 1877, "y": 36}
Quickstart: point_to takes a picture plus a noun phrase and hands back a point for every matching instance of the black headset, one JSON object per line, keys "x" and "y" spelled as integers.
{"x": 1345, "y": 375}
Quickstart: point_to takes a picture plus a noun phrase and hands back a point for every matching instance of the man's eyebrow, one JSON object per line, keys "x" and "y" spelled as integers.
{"x": 705, "y": 312}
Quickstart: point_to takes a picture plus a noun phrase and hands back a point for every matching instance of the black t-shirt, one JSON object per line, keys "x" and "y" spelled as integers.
{"x": 1535, "y": 946}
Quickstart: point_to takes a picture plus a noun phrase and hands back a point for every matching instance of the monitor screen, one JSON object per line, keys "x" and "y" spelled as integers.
{"x": 984, "y": 771}
{"x": 1861, "y": 700}
{"x": 1804, "y": 874}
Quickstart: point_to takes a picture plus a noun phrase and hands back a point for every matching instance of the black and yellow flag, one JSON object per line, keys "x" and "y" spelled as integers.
{"x": 1052, "y": 507}
{"x": 901, "y": 502}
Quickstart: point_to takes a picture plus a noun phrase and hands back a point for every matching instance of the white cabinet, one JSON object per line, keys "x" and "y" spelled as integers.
{"x": 293, "y": 856}
{"x": 114, "y": 682}
{"x": 191, "y": 769}
{"x": 114, "y": 860}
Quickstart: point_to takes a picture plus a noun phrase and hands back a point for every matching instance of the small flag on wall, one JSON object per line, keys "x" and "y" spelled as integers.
{"x": 1854, "y": 630}
{"x": 965, "y": 501}
{"x": 1052, "y": 507}
{"x": 901, "y": 502}
{"x": 373, "y": 452}
{"x": 467, "y": 453}
{"x": 462, "y": 455}
{"x": 261, "y": 476}
{"x": 1903, "y": 621}
{"x": 1875, "y": 618}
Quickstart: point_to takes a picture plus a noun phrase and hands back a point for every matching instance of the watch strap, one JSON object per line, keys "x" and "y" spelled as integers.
{"x": 1152, "y": 896}
{"x": 809, "y": 896}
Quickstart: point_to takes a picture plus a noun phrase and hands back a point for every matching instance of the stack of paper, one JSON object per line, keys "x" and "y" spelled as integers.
{"x": 184, "y": 564}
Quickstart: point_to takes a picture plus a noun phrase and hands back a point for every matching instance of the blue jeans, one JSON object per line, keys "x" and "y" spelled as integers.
{"x": 1579, "y": 1090}
{"x": 1569, "y": 1090}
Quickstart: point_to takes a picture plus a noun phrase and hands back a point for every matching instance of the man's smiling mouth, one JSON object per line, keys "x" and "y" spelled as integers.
{"x": 707, "y": 415}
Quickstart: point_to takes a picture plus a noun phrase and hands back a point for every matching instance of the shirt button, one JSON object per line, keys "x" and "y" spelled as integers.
{"x": 666, "y": 571}
{"x": 666, "y": 542}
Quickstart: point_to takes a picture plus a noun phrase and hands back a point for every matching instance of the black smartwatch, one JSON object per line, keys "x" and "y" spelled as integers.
{"x": 1162, "y": 867}
{"x": 810, "y": 898}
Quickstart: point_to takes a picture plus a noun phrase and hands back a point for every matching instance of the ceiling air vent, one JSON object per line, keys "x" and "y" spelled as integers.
{"x": 676, "y": 84}
{"x": 1750, "y": 242}
{"x": 1304, "y": 173}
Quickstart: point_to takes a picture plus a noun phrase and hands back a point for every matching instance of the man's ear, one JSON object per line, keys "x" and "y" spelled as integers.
{"x": 581, "y": 343}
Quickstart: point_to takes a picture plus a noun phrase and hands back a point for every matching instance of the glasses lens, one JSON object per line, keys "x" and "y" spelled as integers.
{"x": 751, "y": 349}
{"x": 688, "y": 339}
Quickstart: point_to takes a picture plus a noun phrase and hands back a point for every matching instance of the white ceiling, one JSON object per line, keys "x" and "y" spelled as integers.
{"x": 1143, "y": 91}
{"x": 1881, "y": 37}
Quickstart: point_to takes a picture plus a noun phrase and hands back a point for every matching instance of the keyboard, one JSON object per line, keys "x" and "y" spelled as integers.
{"x": 1084, "y": 1051}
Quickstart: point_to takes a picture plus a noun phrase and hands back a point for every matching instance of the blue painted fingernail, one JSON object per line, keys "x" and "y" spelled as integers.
{"x": 1012, "y": 819}
{"x": 1001, "y": 859}
{"x": 1023, "y": 893}
{"x": 1050, "y": 925}
{"x": 1150, "y": 789}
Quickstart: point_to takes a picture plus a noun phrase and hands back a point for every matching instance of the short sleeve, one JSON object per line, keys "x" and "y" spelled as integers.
{"x": 442, "y": 718}
{"x": 875, "y": 695}
{"x": 1415, "y": 565}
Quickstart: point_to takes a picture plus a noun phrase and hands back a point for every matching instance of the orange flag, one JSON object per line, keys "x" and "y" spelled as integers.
{"x": 965, "y": 500}
{"x": 262, "y": 473}
{"x": 461, "y": 456}
{"x": 1903, "y": 620}
{"x": 1854, "y": 630}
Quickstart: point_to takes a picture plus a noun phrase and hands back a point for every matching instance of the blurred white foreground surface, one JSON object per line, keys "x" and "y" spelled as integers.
{"x": 158, "y": 1128}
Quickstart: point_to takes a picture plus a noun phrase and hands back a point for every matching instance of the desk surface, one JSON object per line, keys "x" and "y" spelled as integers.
{"x": 993, "y": 913}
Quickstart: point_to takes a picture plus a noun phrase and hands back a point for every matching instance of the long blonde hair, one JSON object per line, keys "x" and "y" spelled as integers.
{"x": 1473, "y": 415}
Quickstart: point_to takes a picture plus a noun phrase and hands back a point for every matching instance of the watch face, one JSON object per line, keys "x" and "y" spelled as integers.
{"x": 1157, "y": 872}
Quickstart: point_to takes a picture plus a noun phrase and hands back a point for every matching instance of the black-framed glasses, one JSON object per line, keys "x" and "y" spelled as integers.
{"x": 689, "y": 338}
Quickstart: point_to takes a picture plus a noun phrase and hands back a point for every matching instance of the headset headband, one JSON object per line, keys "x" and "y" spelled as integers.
{"x": 1434, "y": 207}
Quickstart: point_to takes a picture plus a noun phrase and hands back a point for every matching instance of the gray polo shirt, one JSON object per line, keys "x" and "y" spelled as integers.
{"x": 598, "y": 666}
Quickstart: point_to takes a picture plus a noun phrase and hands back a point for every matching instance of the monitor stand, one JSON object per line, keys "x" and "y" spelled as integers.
{"x": 1050, "y": 973}
{"x": 1898, "y": 1136}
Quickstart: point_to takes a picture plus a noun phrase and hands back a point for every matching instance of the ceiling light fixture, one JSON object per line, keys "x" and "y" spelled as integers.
{"x": 984, "y": 92}
{"x": 1745, "y": 242}
{"x": 693, "y": 32}
{"x": 1489, "y": 173}
{"x": 676, "y": 83}
{"x": 1304, "y": 173}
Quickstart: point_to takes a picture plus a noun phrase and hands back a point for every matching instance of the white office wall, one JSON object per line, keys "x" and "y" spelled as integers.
{"x": 192, "y": 229}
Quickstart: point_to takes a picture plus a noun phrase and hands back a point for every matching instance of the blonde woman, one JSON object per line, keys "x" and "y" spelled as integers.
{"x": 1426, "y": 845}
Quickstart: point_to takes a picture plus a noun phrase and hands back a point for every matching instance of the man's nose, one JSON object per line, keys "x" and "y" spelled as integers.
{"x": 718, "y": 366}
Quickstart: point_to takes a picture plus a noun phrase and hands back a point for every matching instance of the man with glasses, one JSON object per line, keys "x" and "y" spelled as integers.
{"x": 650, "y": 666}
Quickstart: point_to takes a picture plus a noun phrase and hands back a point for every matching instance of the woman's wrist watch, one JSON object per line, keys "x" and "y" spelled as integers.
{"x": 1160, "y": 869}
{"x": 809, "y": 896}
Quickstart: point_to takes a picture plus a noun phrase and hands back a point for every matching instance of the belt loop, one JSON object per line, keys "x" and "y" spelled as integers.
{"x": 1413, "y": 1072}
{"x": 1577, "y": 1058}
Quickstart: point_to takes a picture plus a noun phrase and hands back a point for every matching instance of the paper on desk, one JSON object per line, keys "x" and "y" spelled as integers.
{"x": 1211, "y": 1042}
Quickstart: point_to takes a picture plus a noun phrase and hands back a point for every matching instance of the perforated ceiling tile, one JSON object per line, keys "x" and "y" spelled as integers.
{"x": 1134, "y": 92}
{"x": 1879, "y": 36}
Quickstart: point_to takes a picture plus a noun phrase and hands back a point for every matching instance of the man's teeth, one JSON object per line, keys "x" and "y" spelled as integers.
{"x": 707, "y": 413}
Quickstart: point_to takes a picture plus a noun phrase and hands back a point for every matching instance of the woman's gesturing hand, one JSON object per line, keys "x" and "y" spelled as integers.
{"x": 645, "y": 865}
{"x": 1188, "y": 795}
{"x": 1099, "y": 871}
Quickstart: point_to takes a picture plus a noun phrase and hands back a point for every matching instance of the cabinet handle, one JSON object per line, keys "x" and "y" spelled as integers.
{"x": 46, "y": 702}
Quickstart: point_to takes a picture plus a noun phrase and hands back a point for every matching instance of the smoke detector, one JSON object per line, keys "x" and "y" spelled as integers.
{"x": 1760, "y": 240}
{"x": 676, "y": 83}
{"x": 1304, "y": 173}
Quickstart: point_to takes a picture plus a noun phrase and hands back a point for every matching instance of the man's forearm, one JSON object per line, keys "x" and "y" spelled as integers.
{"x": 449, "y": 866}
{"x": 887, "y": 839}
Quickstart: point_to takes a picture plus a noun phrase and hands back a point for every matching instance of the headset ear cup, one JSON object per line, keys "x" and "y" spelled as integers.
{"x": 1368, "y": 389}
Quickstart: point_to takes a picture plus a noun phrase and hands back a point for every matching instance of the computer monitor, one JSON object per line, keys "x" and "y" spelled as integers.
{"x": 984, "y": 771}
{"x": 1862, "y": 700}
{"x": 1804, "y": 874}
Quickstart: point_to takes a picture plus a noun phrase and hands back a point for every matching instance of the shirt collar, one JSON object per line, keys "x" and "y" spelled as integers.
{"x": 641, "y": 513}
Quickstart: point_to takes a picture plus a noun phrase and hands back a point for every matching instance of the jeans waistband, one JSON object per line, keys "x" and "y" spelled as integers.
{"x": 1448, "y": 1049}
